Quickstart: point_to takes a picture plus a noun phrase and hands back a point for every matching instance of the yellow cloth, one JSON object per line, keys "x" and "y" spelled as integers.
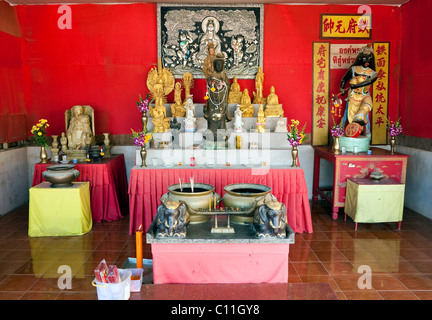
{"x": 59, "y": 211}
{"x": 374, "y": 202}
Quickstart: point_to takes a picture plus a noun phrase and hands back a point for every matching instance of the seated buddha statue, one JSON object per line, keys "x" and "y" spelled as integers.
{"x": 235, "y": 93}
{"x": 273, "y": 108}
{"x": 246, "y": 106}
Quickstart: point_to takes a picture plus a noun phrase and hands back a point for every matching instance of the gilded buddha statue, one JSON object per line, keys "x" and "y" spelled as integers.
{"x": 246, "y": 106}
{"x": 273, "y": 108}
{"x": 235, "y": 93}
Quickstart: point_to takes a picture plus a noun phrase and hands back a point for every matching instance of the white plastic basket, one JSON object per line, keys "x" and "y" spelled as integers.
{"x": 115, "y": 291}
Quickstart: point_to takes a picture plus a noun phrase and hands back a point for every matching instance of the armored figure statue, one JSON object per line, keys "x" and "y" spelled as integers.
{"x": 361, "y": 75}
{"x": 217, "y": 85}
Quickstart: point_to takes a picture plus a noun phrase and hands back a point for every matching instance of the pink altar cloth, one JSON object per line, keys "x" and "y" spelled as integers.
{"x": 147, "y": 185}
{"x": 108, "y": 185}
{"x": 220, "y": 262}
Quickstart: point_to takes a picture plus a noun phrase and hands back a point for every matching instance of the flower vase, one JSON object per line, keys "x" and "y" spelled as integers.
{"x": 144, "y": 120}
{"x": 392, "y": 144}
{"x": 43, "y": 155}
{"x": 294, "y": 153}
{"x": 143, "y": 153}
{"x": 336, "y": 145}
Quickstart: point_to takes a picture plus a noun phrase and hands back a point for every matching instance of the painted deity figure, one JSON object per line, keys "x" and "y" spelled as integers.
{"x": 361, "y": 75}
{"x": 184, "y": 41}
{"x": 237, "y": 46}
{"x": 79, "y": 129}
{"x": 210, "y": 26}
{"x": 218, "y": 86}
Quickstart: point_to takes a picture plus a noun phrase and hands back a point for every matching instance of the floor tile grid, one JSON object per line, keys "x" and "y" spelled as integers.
{"x": 327, "y": 255}
{"x": 331, "y": 254}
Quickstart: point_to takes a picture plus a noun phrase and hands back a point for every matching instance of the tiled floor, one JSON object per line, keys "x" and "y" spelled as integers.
{"x": 329, "y": 263}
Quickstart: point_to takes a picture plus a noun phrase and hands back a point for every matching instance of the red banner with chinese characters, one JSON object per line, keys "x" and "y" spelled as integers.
{"x": 380, "y": 93}
{"x": 344, "y": 26}
{"x": 320, "y": 92}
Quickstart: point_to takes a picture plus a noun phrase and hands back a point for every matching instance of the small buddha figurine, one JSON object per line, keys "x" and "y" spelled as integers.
{"x": 235, "y": 93}
{"x": 177, "y": 108}
{"x": 273, "y": 108}
{"x": 281, "y": 125}
{"x": 246, "y": 106}
{"x": 261, "y": 120}
{"x": 63, "y": 142}
{"x": 158, "y": 112}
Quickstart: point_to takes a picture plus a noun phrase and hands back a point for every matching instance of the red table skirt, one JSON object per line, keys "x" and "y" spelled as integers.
{"x": 220, "y": 262}
{"x": 146, "y": 186}
{"x": 108, "y": 186}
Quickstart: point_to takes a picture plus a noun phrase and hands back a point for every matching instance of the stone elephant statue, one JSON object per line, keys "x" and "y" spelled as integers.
{"x": 172, "y": 220}
{"x": 270, "y": 220}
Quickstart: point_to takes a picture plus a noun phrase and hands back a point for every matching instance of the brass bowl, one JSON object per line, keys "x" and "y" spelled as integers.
{"x": 199, "y": 199}
{"x": 243, "y": 196}
{"x": 60, "y": 175}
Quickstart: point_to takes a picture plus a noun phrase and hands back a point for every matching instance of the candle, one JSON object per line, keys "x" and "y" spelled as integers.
{"x": 210, "y": 204}
{"x": 215, "y": 202}
{"x": 139, "y": 251}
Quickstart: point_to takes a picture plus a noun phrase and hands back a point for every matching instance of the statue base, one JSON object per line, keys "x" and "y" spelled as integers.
{"x": 80, "y": 155}
{"x": 361, "y": 142}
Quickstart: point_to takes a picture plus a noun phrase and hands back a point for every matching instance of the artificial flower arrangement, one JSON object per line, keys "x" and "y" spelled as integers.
{"x": 39, "y": 132}
{"x": 143, "y": 104}
{"x": 141, "y": 138}
{"x": 394, "y": 128}
{"x": 296, "y": 137}
{"x": 337, "y": 130}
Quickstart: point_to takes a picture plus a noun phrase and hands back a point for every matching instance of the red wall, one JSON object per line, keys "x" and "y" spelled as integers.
{"x": 13, "y": 124}
{"x": 104, "y": 59}
{"x": 416, "y": 71}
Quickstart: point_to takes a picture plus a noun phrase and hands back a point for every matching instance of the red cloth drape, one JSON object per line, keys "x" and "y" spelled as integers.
{"x": 108, "y": 186}
{"x": 146, "y": 186}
